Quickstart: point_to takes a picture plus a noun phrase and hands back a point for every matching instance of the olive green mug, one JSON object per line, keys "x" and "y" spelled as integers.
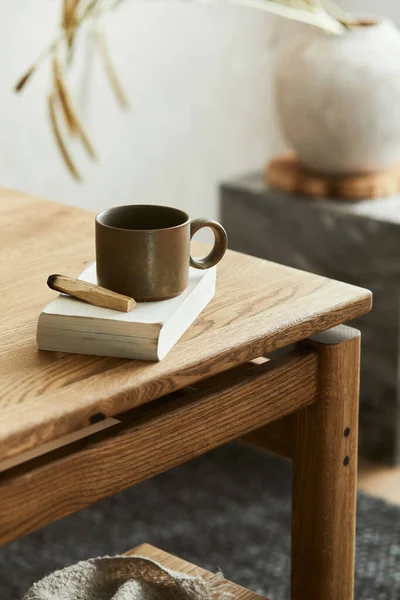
{"x": 143, "y": 251}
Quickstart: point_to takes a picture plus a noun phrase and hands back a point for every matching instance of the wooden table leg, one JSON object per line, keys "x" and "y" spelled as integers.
{"x": 325, "y": 472}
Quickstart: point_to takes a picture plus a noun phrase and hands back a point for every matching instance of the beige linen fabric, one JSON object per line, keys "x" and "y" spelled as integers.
{"x": 123, "y": 578}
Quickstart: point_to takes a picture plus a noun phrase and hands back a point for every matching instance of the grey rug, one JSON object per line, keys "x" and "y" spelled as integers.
{"x": 227, "y": 509}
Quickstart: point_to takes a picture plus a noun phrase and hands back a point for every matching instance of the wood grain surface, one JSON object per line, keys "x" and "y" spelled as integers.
{"x": 325, "y": 474}
{"x": 286, "y": 173}
{"x": 277, "y": 436}
{"x": 178, "y": 564}
{"x": 259, "y": 306}
{"x": 151, "y": 439}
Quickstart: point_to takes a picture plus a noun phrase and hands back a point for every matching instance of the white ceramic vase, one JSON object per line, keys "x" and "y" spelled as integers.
{"x": 338, "y": 98}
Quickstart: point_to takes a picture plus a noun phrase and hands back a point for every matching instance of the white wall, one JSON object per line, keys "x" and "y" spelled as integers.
{"x": 197, "y": 77}
{"x": 199, "y": 80}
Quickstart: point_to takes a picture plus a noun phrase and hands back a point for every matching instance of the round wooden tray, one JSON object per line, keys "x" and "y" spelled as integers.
{"x": 286, "y": 173}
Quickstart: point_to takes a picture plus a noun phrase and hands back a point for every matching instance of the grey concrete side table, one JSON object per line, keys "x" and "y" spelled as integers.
{"x": 358, "y": 243}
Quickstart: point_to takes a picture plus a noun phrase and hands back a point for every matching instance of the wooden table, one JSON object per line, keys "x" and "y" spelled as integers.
{"x": 203, "y": 394}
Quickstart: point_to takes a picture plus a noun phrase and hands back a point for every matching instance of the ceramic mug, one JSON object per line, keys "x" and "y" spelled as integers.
{"x": 143, "y": 251}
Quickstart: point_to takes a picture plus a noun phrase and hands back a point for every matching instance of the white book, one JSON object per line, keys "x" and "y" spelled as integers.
{"x": 147, "y": 333}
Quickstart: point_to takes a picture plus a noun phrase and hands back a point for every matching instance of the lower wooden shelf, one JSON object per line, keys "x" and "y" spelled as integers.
{"x": 177, "y": 564}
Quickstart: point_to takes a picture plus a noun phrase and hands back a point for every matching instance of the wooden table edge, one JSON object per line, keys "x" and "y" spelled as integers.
{"x": 24, "y": 427}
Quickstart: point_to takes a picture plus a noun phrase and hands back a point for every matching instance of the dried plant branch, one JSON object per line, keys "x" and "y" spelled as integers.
{"x": 72, "y": 10}
{"x": 68, "y": 20}
{"x": 86, "y": 13}
{"x": 24, "y": 79}
{"x": 110, "y": 69}
{"x": 309, "y": 11}
{"x": 321, "y": 13}
{"x": 63, "y": 94}
{"x": 59, "y": 139}
{"x": 70, "y": 113}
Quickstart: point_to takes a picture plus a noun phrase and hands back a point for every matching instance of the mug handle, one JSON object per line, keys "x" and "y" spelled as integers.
{"x": 220, "y": 243}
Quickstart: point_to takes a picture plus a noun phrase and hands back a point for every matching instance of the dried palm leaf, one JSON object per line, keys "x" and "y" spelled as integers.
{"x": 110, "y": 69}
{"x": 59, "y": 138}
{"x": 341, "y": 15}
{"x": 305, "y": 11}
{"x": 70, "y": 113}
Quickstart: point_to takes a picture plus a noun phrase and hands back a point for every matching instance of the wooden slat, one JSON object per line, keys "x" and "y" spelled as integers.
{"x": 153, "y": 439}
{"x": 178, "y": 564}
{"x": 259, "y": 307}
{"x": 277, "y": 436}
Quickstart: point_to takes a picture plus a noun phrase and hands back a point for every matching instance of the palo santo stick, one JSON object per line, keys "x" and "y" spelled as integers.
{"x": 91, "y": 293}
